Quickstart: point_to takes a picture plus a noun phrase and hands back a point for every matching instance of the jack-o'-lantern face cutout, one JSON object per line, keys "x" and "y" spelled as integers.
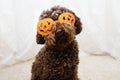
{"x": 67, "y": 18}
{"x": 44, "y": 26}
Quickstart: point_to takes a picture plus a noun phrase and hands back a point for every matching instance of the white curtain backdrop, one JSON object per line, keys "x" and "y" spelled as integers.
{"x": 18, "y": 19}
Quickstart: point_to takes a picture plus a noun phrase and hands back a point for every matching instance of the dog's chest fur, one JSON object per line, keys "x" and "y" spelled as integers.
{"x": 55, "y": 62}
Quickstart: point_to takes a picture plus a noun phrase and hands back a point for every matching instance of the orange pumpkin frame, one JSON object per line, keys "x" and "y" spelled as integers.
{"x": 44, "y": 26}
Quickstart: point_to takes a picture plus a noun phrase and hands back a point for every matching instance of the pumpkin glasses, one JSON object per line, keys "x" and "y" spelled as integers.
{"x": 44, "y": 26}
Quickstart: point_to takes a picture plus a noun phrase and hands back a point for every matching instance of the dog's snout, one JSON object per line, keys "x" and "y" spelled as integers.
{"x": 61, "y": 36}
{"x": 59, "y": 32}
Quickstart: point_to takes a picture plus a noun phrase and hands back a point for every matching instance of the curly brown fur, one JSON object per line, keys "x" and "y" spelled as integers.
{"x": 58, "y": 59}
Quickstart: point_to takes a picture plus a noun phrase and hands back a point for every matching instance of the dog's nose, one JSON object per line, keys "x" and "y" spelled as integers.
{"x": 59, "y": 32}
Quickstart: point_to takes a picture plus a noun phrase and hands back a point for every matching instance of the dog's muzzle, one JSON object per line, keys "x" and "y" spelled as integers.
{"x": 60, "y": 36}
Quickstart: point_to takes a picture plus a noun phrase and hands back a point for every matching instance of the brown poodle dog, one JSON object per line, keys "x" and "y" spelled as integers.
{"x": 58, "y": 59}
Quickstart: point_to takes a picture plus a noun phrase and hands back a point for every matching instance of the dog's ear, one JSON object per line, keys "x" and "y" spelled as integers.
{"x": 40, "y": 39}
{"x": 78, "y": 25}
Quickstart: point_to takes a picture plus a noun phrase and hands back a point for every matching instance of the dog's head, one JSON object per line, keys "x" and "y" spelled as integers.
{"x": 61, "y": 32}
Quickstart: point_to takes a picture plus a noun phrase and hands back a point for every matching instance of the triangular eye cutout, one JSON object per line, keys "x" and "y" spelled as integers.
{"x": 44, "y": 26}
{"x": 67, "y": 18}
